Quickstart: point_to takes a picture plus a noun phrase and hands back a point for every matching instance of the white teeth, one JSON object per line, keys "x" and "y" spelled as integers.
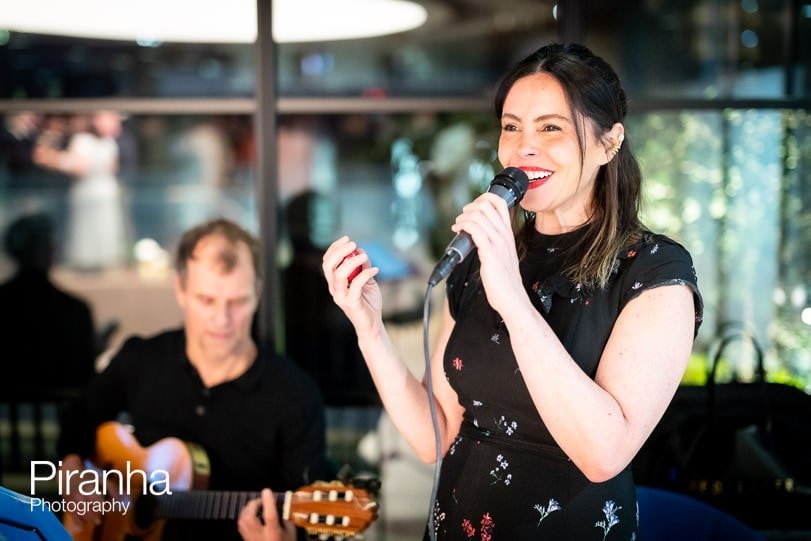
{"x": 535, "y": 175}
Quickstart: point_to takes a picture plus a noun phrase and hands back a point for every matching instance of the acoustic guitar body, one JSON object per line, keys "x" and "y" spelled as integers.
{"x": 117, "y": 449}
{"x": 321, "y": 508}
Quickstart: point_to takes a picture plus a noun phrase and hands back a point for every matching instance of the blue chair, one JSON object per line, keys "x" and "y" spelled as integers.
{"x": 22, "y": 521}
{"x": 670, "y": 516}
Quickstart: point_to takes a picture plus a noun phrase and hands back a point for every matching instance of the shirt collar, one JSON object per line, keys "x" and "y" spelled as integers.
{"x": 247, "y": 381}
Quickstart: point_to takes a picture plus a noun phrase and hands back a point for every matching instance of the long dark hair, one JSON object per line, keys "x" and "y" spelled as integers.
{"x": 594, "y": 93}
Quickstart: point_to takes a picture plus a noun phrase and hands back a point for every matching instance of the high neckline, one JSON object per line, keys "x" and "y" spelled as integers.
{"x": 557, "y": 242}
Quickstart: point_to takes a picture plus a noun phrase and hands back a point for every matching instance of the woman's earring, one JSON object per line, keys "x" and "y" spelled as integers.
{"x": 616, "y": 149}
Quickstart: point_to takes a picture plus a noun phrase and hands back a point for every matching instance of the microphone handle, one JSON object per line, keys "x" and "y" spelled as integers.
{"x": 462, "y": 244}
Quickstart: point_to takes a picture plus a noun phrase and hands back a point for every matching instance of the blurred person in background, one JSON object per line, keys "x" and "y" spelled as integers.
{"x": 96, "y": 232}
{"x": 47, "y": 334}
{"x": 21, "y": 133}
{"x": 18, "y": 135}
{"x": 318, "y": 336}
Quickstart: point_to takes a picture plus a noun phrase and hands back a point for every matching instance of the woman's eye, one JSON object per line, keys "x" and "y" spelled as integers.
{"x": 550, "y": 127}
{"x": 509, "y": 127}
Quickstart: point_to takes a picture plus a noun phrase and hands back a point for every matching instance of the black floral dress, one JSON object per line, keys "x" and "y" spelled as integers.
{"x": 504, "y": 477}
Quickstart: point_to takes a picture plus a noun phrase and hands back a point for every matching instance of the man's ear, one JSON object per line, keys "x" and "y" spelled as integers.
{"x": 180, "y": 291}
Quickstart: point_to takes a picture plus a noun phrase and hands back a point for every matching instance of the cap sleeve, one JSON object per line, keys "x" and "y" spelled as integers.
{"x": 659, "y": 261}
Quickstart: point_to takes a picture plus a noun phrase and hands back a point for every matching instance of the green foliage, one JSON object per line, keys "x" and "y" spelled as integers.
{"x": 734, "y": 186}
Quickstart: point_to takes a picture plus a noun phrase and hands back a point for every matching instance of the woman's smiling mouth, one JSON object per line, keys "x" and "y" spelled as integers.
{"x": 537, "y": 176}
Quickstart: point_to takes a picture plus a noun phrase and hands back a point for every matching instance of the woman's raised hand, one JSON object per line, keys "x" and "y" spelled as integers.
{"x": 350, "y": 278}
{"x": 487, "y": 220}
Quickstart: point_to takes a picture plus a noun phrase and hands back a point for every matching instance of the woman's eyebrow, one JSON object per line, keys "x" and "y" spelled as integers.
{"x": 540, "y": 118}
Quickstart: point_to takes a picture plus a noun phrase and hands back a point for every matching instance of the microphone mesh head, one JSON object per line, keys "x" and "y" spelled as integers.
{"x": 513, "y": 179}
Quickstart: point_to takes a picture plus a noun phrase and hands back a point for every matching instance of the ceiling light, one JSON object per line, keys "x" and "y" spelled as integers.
{"x": 211, "y": 21}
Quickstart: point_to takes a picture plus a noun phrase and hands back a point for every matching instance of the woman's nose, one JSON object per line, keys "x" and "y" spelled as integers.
{"x": 529, "y": 144}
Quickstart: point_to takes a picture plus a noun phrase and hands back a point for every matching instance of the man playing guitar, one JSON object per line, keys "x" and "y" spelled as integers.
{"x": 258, "y": 417}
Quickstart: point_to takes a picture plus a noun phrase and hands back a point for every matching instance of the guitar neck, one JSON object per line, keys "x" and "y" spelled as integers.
{"x": 202, "y": 504}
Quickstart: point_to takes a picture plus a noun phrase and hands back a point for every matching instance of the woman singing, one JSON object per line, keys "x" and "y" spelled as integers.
{"x": 564, "y": 338}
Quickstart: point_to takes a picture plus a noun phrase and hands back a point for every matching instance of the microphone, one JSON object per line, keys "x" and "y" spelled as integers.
{"x": 511, "y": 185}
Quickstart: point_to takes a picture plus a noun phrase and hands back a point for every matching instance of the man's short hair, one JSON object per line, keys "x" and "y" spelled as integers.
{"x": 228, "y": 257}
{"x": 29, "y": 241}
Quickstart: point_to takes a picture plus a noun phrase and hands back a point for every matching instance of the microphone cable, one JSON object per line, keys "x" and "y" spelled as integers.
{"x": 511, "y": 184}
{"x": 426, "y": 314}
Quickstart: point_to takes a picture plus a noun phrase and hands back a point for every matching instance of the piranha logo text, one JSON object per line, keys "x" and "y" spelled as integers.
{"x": 94, "y": 482}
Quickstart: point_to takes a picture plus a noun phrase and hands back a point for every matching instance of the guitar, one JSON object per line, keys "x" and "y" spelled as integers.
{"x": 322, "y": 508}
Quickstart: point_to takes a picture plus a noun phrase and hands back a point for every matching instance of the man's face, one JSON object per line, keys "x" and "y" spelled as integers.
{"x": 218, "y": 305}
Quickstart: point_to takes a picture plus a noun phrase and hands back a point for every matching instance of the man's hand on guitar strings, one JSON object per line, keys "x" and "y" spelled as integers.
{"x": 269, "y": 528}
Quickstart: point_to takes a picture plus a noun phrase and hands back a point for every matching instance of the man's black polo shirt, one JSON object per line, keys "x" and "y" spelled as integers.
{"x": 262, "y": 429}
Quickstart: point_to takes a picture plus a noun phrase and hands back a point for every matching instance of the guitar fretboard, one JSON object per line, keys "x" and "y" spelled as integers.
{"x": 203, "y": 504}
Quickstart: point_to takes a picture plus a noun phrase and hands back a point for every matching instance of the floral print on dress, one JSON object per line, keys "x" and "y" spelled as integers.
{"x": 457, "y": 364}
{"x": 544, "y": 293}
{"x": 496, "y": 338}
{"x": 439, "y": 517}
{"x": 468, "y": 528}
{"x": 499, "y": 473}
{"x": 553, "y": 505}
{"x": 487, "y": 526}
{"x": 452, "y": 448}
{"x": 508, "y": 427}
{"x": 610, "y": 510}
{"x": 578, "y": 287}
{"x": 559, "y": 286}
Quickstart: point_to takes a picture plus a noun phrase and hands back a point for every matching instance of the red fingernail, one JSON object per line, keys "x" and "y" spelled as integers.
{"x": 357, "y": 269}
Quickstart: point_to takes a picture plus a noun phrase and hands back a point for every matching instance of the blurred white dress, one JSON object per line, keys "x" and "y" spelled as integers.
{"x": 96, "y": 232}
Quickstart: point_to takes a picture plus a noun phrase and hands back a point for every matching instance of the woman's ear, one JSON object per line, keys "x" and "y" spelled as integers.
{"x": 613, "y": 140}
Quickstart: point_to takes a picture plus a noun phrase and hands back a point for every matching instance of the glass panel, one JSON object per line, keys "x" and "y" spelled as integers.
{"x": 729, "y": 185}
{"x": 463, "y": 55}
{"x": 172, "y": 173}
{"x": 801, "y": 66}
{"x": 697, "y": 49}
{"x": 40, "y": 66}
{"x": 461, "y": 50}
{"x": 681, "y": 157}
{"x": 394, "y": 183}
{"x": 666, "y": 49}
{"x": 739, "y": 203}
{"x": 791, "y": 330}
